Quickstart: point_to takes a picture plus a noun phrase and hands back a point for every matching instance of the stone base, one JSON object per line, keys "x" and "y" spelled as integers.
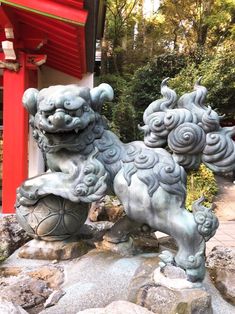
{"x": 56, "y": 250}
{"x": 107, "y": 277}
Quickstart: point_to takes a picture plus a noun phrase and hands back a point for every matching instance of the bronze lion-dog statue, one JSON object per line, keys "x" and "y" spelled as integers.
{"x": 86, "y": 160}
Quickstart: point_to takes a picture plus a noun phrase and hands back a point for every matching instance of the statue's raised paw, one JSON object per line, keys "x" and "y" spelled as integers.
{"x": 26, "y": 195}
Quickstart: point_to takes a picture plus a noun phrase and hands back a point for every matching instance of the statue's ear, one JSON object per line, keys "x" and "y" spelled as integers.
{"x": 30, "y": 100}
{"x": 100, "y": 94}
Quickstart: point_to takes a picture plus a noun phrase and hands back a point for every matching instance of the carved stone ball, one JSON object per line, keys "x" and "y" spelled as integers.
{"x": 52, "y": 218}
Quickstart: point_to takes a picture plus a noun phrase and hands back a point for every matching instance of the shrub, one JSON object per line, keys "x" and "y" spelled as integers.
{"x": 218, "y": 72}
{"x": 201, "y": 182}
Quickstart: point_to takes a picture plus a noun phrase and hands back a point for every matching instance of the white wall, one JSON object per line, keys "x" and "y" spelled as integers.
{"x": 46, "y": 77}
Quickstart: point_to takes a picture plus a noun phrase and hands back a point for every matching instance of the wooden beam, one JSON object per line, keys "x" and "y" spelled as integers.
{"x": 34, "y": 43}
{"x": 72, "y": 63}
{"x": 70, "y": 53}
{"x": 47, "y": 27}
{"x": 33, "y": 61}
{"x": 8, "y": 49}
{"x": 52, "y": 10}
{"x": 64, "y": 68}
{"x": 4, "y": 19}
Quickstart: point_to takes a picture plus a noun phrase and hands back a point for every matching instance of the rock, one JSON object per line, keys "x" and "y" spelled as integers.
{"x": 134, "y": 245}
{"x": 143, "y": 276}
{"x": 225, "y": 282}
{"x": 167, "y": 243}
{"x": 169, "y": 293}
{"x": 30, "y": 288}
{"x": 174, "y": 272}
{"x": 123, "y": 248}
{"x": 52, "y": 275}
{"x": 54, "y": 298}
{"x": 145, "y": 243}
{"x": 118, "y": 307}
{"x": 56, "y": 250}
{"x": 173, "y": 278}
{"x": 12, "y": 236}
{"x": 7, "y": 307}
{"x": 26, "y": 292}
{"x": 221, "y": 266}
{"x": 221, "y": 257}
{"x": 162, "y": 300}
{"x": 94, "y": 231}
{"x": 95, "y": 280}
{"x": 109, "y": 209}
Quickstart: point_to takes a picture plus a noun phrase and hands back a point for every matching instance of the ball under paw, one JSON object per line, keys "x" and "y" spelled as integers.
{"x": 52, "y": 218}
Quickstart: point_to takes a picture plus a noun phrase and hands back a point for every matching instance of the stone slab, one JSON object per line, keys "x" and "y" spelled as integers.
{"x": 56, "y": 250}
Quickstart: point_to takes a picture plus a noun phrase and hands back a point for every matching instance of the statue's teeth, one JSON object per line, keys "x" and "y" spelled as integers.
{"x": 76, "y": 130}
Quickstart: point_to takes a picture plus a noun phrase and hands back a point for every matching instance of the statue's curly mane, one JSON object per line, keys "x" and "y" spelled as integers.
{"x": 190, "y": 129}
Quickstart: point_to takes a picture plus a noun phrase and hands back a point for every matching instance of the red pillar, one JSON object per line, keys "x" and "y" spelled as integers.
{"x": 15, "y": 134}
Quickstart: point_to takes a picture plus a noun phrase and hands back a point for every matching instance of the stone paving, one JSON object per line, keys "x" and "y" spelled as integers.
{"x": 225, "y": 236}
{"x": 225, "y": 211}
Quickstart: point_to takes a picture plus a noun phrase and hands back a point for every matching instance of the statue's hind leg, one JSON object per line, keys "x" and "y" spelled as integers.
{"x": 191, "y": 231}
{"x": 191, "y": 245}
{"x": 164, "y": 212}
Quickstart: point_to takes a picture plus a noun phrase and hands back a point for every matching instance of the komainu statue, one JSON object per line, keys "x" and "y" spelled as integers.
{"x": 87, "y": 161}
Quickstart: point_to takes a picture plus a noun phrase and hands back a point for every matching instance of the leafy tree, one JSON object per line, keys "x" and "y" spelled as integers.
{"x": 120, "y": 112}
{"x": 145, "y": 86}
{"x": 193, "y": 27}
{"x": 218, "y": 73}
{"x": 123, "y": 120}
{"x": 119, "y": 20}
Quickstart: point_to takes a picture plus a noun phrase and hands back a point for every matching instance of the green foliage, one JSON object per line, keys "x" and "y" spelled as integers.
{"x": 195, "y": 27}
{"x": 218, "y": 74}
{"x": 120, "y": 113}
{"x": 145, "y": 86}
{"x": 123, "y": 120}
{"x": 201, "y": 182}
{"x": 118, "y": 84}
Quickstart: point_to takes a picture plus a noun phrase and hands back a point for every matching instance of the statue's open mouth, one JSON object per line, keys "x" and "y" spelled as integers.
{"x": 61, "y": 137}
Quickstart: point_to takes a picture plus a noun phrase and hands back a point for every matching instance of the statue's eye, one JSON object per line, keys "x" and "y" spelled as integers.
{"x": 67, "y": 103}
{"x": 85, "y": 108}
{"x": 79, "y": 112}
{"x": 48, "y": 113}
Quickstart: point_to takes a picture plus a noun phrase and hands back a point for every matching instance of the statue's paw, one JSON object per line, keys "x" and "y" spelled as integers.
{"x": 166, "y": 258}
{"x": 26, "y": 195}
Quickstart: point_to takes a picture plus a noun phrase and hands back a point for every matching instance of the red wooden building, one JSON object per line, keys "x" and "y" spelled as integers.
{"x": 43, "y": 42}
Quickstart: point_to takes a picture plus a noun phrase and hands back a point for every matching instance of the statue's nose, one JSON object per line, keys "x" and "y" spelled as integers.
{"x": 59, "y": 118}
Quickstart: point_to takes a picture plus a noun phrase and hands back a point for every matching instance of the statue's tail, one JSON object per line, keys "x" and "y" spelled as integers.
{"x": 190, "y": 129}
